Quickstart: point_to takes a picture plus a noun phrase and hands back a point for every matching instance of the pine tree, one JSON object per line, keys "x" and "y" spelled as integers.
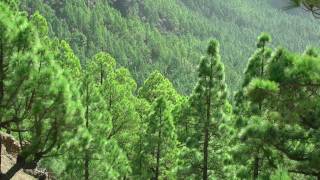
{"x": 161, "y": 141}
{"x": 155, "y": 86}
{"x": 138, "y": 157}
{"x": 184, "y": 120}
{"x": 40, "y": 23}
{"x": 248, "y": 112}
{"x": 117, "y": 89}
{"x": 35, "y": 99}
{"x": 65, "y": 57}
{"x": 99, "y": 124}
{"x": 291, "y": 128}
{"x": 208, "y": 101}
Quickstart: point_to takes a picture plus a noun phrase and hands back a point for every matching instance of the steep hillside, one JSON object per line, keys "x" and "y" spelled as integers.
{"x": 170, "y": 35}
{"x": 110, "y": 89}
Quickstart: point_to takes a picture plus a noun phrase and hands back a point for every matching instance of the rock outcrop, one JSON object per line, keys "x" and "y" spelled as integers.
{"x": 9, "y": 151}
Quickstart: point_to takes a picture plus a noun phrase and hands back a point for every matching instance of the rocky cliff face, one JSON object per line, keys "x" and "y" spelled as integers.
{"x": 9, "y": 151}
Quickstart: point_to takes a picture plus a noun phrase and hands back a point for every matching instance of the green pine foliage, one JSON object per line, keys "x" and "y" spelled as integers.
{"x": 171, "y": 35}
{"x": 292, "y": 134}
{"x": 207, "y": 103}
{"x": 106, "y": 89}
{"x": 37, "y": 104}
{"x": 160, "y": 143}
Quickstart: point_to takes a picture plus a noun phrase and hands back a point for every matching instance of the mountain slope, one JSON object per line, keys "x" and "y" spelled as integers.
{"x": 169, "y": 35}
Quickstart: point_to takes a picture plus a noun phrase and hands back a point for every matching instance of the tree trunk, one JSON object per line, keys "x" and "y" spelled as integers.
{"x": 256, "y": 162}
{"x": 1, "y": 90}
{"x": 140, "y": 159}
{"x": 20, "y": 164}
{"x": 205, "y": 154}
{"x": 206, "y": 130}
{"x": 140, "y": 150}
{"x": 12, "y": 171}
{"x": 159, "y": 148}
{"x": 256, "y": 168}
{"x": 187, "y": 127}
{"x": 206, "y": 140}
{"x": 86, "y": 158}
{"x": 101, "y": 75}
{"x": 262, "y": 63}
{"x": 158, "y": 160}
{"x": 1, "y": 74}
{"x": 0, "y": 155}
{"x": 86, "y": 166}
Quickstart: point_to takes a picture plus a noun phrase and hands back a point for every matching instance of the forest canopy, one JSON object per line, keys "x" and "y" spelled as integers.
{"x": 171, "y": 35}
{"x": 170, "y": 89}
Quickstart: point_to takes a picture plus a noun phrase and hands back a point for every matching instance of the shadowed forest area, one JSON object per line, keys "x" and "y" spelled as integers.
{"x": 160, "y": 89}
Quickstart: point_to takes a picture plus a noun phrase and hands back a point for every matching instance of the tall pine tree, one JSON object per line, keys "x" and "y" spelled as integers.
{"x": 291, "y": 126}
{"x": 251, "y": 150}
{"x": 161, "y": 142}
{"x": 208, "y": 101}
{"x": 36, "y": 103}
